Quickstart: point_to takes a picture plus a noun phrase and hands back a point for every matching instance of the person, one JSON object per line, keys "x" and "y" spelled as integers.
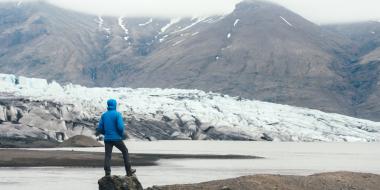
{"x": 111, "y": 125}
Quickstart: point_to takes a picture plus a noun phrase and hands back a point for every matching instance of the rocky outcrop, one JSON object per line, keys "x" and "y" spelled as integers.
{"x": 119, "y": 183}
{"x": 324, "y": 181}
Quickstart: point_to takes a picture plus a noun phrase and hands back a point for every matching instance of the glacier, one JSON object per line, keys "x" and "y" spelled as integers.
{"x": 165, "y": 114}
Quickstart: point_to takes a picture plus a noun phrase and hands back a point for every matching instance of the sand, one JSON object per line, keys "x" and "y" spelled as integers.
{"x": 35, "y": 158}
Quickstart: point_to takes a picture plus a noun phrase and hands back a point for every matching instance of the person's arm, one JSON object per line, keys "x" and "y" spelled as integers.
{"x": 100, "y": 128}
{"x": 120, "y": 124}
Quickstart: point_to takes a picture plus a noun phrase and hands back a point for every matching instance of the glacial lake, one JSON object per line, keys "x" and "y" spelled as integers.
{"x": 280, "y": 158}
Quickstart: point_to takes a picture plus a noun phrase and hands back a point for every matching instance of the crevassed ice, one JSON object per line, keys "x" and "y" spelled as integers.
{"x": 227, "y": 114}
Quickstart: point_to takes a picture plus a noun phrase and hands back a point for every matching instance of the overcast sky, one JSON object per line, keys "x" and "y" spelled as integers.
{"x": 318, "y": 11}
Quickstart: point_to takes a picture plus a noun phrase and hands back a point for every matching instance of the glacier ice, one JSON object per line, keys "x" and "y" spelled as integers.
{"x": 195, "y": 111}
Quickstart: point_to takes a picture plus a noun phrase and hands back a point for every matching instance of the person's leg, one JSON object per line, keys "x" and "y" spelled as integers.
{"x": 124, "y": 150}
{"x": 108, "y": 155}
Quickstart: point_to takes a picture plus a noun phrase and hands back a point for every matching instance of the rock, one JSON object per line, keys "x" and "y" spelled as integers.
{"x": 81, "y": 141}
{"x": 154, "y": 188}
{"x": 44, "y": 121}
{"x": 30, "y": 142}
{"x": 119, "y": 183}
{"x": 151, "y": 138}
{"x": 3, "y": 116}
{"x": 11, "y": 114}
{"x": 266, "y": 137}
{"x": 179, "y": 136}
{"x": 225, "y": 188}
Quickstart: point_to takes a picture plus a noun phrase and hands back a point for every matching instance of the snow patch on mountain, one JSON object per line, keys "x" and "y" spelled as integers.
{"x": 195, "y": 33}
{"x": 178, "y": 42}
{"x": 163, "y": 38}
{"x": 124, "y": 28}
{"x": 146, "y": 23}
{"x": 214, "y": 19}
{"x": 195, "y": 111}
{"x": 236, "y": 22}
{"x": 196, "y": 21}
{"x": 288, "y": 23}
{"x": 170, "y": 24}
{"x": 101, "y": 26}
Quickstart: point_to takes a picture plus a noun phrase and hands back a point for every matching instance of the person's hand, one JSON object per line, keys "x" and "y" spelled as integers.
{"x": 125, "y": 135}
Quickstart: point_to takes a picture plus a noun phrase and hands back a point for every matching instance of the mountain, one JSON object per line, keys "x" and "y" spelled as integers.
{"x": 363, "y": 70}
{"x": 35, "y": 108}
{"x": 259, "y": 51}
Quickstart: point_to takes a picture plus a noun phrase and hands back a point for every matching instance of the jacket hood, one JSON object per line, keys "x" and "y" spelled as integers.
{"x": 111, "y": 103}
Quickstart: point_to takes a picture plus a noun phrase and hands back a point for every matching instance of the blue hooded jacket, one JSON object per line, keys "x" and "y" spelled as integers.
{"x": 111, "y": 123}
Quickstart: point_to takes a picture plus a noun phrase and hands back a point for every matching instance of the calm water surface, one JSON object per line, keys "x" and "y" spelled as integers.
{"x": 281, "y": 158}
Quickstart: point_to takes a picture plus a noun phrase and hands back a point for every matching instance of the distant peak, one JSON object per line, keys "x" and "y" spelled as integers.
{"x": 250, "y": 4}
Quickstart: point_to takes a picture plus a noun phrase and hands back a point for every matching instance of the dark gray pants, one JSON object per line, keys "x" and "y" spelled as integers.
{"x": 108, "y": 155}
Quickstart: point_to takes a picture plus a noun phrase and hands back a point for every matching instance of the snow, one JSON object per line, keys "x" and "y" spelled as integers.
{"x": 178, "y": 42}
{"x": 197, "y": 21}
{"x": 165, "y": 28}
{"x": 228, "y": 35}
{"x": 373, "y": 32}
{"x": 195, "y": 33}
{"x": 19, "y": 3}
{"x": 214, "y": 19}
{"x": 288, "y": 23}
{"x": 163, "y": 38}
{"x": 171, "y": 23}
{"x": 124, "y": 28}
{"x": 146, "y": 23}
{"x": 227, "y": 114}
{"x": 236, "y": 22}
{"x": 100, "y": 22}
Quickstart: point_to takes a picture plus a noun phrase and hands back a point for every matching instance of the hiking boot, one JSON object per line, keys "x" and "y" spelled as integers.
{"x": 131, "y": 172}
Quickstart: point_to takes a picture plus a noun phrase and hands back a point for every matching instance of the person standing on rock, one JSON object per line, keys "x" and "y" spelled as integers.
{"x": 111, "y": 125}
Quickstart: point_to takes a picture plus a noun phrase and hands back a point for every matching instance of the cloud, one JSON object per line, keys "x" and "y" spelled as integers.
{"x": 163, "y": 8}
{"x": 334, "y": 11}
{"x": 318, "y": 11}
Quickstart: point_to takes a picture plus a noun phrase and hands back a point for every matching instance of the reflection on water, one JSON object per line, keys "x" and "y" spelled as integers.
{"x": 281, "y": 158}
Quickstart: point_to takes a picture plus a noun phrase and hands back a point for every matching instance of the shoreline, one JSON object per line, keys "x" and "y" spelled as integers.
{"x": 321, "y": 181}
{"x": 59, "y": 158}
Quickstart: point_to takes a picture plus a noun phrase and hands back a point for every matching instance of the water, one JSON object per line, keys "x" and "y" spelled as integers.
{"x": 281, "y": 158}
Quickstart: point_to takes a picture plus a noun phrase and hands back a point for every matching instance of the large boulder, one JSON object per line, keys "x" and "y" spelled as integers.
{"x": 119, "y": 183}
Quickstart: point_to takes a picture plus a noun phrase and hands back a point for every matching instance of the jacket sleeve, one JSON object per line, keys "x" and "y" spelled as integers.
{"x": 100, "y": 127}
{"x": 120, "y": 124}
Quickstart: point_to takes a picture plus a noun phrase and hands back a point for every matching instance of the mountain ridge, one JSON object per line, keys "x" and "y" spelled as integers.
{"x": 260, "y": 51}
